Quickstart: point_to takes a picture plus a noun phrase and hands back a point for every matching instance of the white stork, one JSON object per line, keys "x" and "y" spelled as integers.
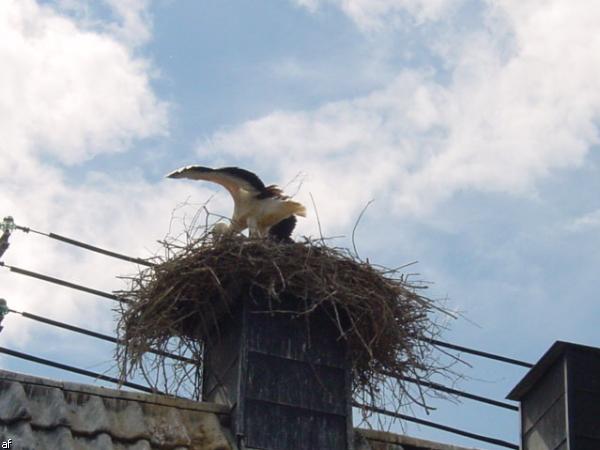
{"x": 264, "y": 210}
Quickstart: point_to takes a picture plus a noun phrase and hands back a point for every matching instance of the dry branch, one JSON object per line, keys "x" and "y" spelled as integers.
{"x": 178, "y": 304}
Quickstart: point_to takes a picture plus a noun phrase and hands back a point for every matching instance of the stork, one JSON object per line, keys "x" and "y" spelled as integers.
{"x": 264, "y": 210}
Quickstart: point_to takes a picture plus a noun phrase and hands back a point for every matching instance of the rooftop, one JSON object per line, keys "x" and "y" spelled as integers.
{"x": 39, "y": 413}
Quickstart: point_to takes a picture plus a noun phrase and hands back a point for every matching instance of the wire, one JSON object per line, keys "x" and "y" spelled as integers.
{"x": 479, "y": 353}
{"x": 442, "y": 388}
{"x": 64, "y": 283}
{"x": 427, "y": 423}
{"x": 140, "y": 387}
{"x": 149, "y": 264}
{"x": 97, "y": 335}
{"x": 104, "y": 337}
{"x": 92, "y": 248}
{"x": 123, "y": 300}
{"x": 87, "y": 373}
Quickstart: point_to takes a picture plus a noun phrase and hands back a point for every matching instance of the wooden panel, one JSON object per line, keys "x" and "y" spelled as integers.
{"x": 584, "y": 369}
{"x": 585, "y": 413}
{"x": 584, "y": 402}
{"x": 287, "y": 379}
{"x": 295, "y": 338}
{"x": 562, "y": 446}
{"x": 539, "y": 399}
{"x": 279, "y": 427}
{"x": 581, "y": 443}
{"x": 549, "y": 431}
{"x": 220, "y": 376}
{"x": 297, "y": 383}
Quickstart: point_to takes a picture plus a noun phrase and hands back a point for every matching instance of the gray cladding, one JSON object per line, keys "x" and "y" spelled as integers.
{"x": 560, "y": 400}
{"x": 286, "y": 378}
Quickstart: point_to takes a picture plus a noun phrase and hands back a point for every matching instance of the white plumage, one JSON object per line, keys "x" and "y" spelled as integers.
{"x": 264, "y": 210}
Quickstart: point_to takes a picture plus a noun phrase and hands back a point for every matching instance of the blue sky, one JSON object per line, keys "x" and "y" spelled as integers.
{"x": 472, "y": 124}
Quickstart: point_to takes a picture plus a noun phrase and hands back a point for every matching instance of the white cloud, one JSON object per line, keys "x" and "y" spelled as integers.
{"x": 585, "y": 222}
{"x": 134, "y": 21}
{"x": 130, "y": 22}
{"x": 372, "y": 15}
{"x": 522, "y": 100}
{"x": 68, "y": 94}
{"x": 349, "y": 149}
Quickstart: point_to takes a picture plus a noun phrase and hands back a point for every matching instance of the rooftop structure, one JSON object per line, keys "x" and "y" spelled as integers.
{"x": 39, "y": 413}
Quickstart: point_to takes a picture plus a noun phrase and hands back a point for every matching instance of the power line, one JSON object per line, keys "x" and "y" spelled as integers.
{"x": 478, "y": 353}
{"x": 90, "y": 247}
{"x": 85, "y": 372}
{"x": 79, "y": 287}
{"x": 94, "y": 334}
{"x": 64, "y": 283}
{"x": 140, "y": 387}
{"x": 442, "y": 388}
{"x": 149, "y": 264}
{"x": 115, "y": 340}
{"x": 97, "y": 335}
{"x": 427, "y": 423}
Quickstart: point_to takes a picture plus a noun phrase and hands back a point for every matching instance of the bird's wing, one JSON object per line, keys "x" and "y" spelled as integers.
{"x": 231, "y": 178}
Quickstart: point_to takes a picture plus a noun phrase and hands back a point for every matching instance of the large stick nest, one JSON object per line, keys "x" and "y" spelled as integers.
{"x": 185, "y": 297}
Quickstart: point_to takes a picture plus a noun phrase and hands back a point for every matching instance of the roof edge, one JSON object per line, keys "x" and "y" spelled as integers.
{"x": 101, "y": 391}
{"x": 392, "y": 438}
{"x": 556, "y": 351}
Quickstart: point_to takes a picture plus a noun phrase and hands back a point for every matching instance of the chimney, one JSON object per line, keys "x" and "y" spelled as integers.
{"x": 286, "y": 377}
{"x": 560, "y": 400}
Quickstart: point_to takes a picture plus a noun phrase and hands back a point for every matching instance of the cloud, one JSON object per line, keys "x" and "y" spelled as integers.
{"x": 129, "y": 22}
{"x": 67, "y": 95}
{"x": 134, "y": 21}
{"x": 585, "y": 222}
{"x": 373, "y": 15}
{"x": 521, "y": 100}
{"x": 347, "y": 148}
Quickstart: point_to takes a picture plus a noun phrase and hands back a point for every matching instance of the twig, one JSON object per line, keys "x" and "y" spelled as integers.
{"x": 356, "y": 225}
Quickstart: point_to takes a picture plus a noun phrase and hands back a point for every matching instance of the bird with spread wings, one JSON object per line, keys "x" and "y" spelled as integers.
{"x": 264, "y": 210}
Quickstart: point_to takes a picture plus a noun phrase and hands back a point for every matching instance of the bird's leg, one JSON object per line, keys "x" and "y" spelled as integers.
{"x": 253, "y": 230}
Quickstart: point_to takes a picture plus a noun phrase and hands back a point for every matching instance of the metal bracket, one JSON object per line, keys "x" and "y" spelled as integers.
{"x": 6, "y": 226}
{"x": 3, "y": 312}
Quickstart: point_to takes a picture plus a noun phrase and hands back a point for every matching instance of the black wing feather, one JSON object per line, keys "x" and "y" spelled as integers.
{"x": 245, "y": 175}
{"x": 282, "y": 231}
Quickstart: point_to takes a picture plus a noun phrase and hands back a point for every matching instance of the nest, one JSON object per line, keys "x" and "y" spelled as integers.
{"x": 179, "y": 303}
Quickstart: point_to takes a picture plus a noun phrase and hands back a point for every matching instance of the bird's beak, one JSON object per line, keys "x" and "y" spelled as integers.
{"x": 173, "y": 174}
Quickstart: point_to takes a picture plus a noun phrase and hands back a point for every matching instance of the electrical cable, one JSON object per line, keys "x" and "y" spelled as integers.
{"x": 92, "y": 248}
{"x": 149, "y": 264}
{"x": 97, "y": 335}
{"x": 442, "y": 388}
{"x": 79, "y": 287}
{"x": 142, "y": 388}
{"x": 63, "y": 283}
{"x": 85, "y": 372}
{"x": 428, "y": 423}
{"x": 479, "y": 353}
{"x": 115, "y": 340}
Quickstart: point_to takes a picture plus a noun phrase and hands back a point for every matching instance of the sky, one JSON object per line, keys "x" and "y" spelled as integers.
{"x": 471, "y": 124}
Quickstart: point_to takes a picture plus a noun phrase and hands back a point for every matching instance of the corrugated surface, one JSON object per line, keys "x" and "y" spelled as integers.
{"x": 43, "y": 414}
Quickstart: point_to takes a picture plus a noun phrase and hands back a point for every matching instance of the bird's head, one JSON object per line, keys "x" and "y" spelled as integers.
{"x": 175, "y": 174}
